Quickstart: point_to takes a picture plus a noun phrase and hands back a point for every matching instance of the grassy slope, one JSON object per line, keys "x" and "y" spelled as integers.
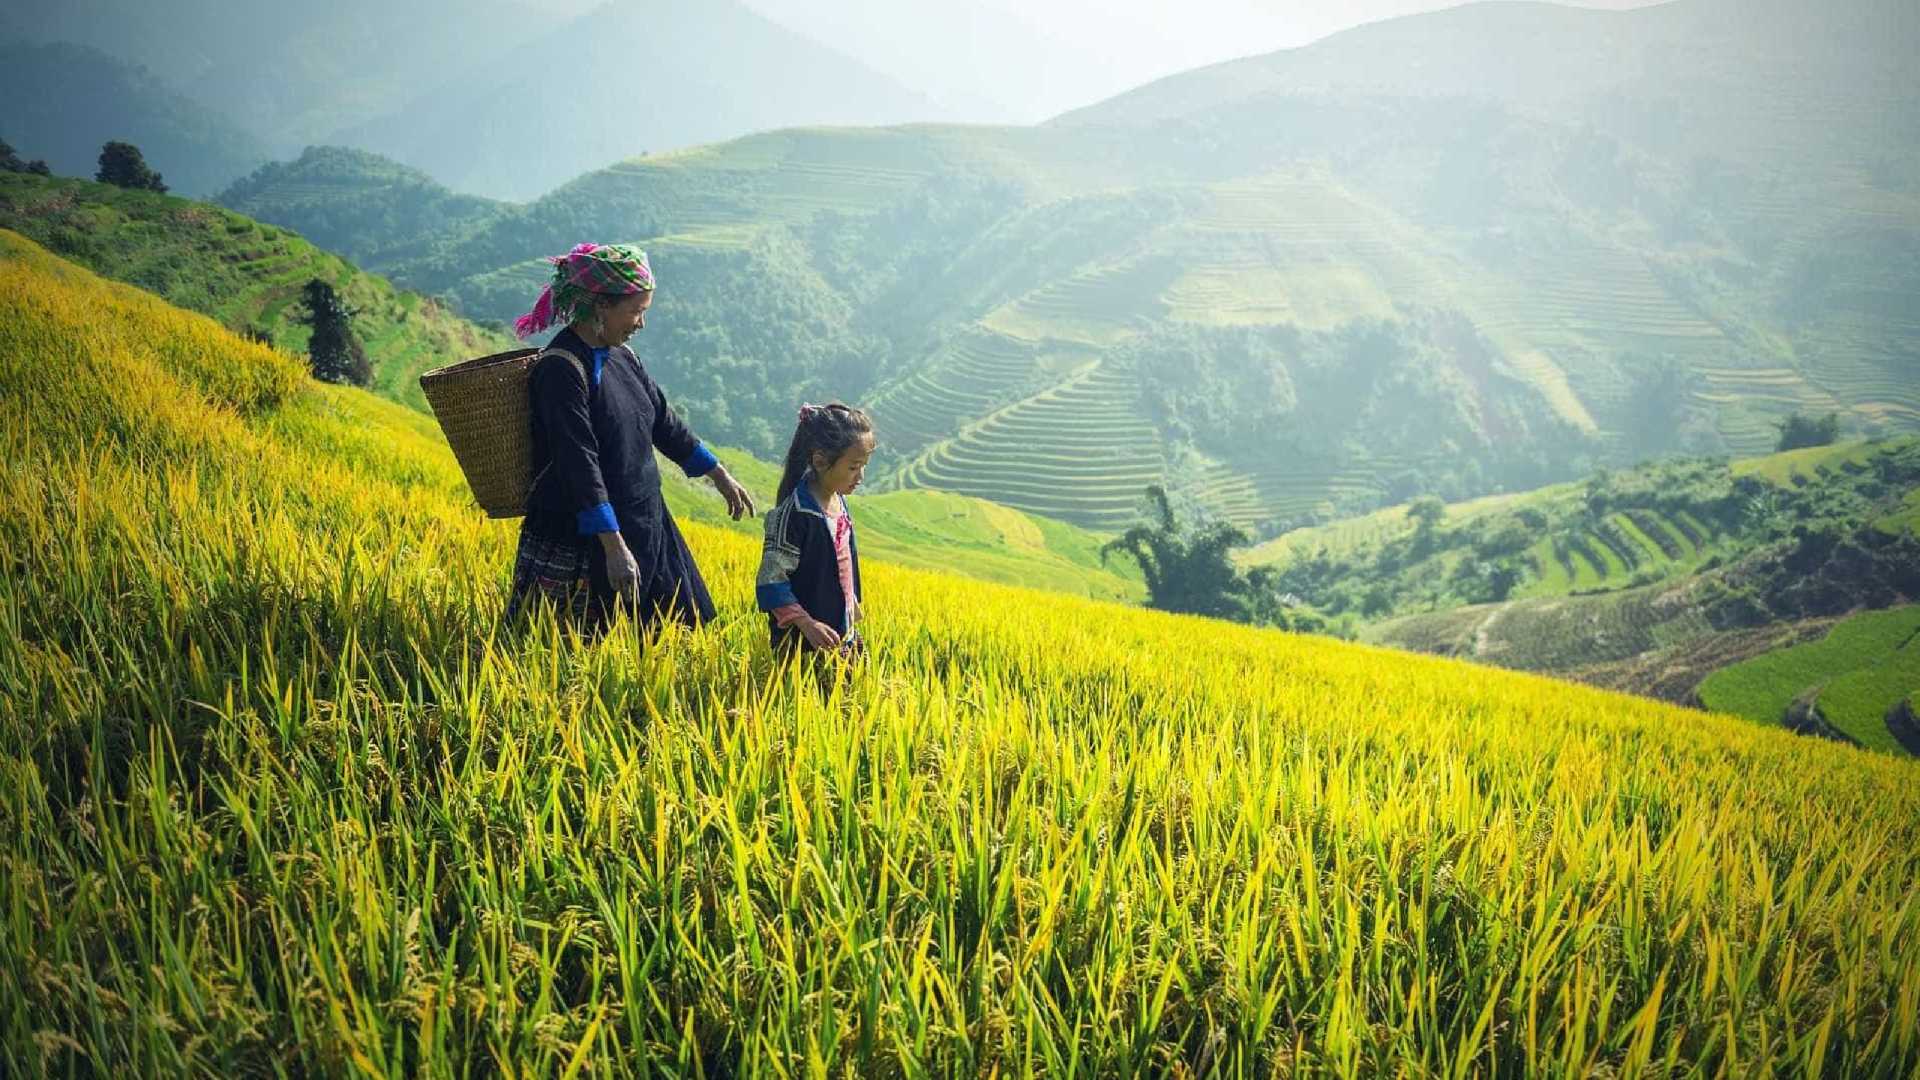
{"x": 275, "y": 797}
{"x": 246, "y": 274}
{"x": 937, "y": 531}
{"x": 1807, "y": 464}
{"x": 1866, "y": 664}
{"x": 1792, "y": 468}
{"x": 1650, "y": 639}
{"x": 241, "y": 272}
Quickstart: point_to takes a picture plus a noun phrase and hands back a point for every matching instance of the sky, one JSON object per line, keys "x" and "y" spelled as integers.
{"x": 970, "y": 53}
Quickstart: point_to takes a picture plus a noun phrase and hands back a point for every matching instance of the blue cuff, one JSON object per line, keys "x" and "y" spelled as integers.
{"x": 701, "y": 463}
{"x": 597, "y": 519}
{"x": 773, "y": 595}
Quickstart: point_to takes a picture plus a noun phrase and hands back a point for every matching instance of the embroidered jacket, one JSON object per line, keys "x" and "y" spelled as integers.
{"x": 799, "y": 565}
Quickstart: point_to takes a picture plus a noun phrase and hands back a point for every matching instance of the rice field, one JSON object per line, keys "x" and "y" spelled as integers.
{"x": 974, "y": 374}
{"x": 1860, "y": 670}
{"x": 1079, "y": 451}
{"x": 279, "y": 797}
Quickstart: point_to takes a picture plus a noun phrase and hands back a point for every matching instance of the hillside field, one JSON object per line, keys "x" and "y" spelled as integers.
{"x": 1854, "y": 675}
{"x": 243, "y": 273}
{"x": 278, "y": 794}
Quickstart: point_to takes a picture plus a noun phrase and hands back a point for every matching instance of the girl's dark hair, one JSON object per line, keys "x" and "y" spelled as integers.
{"x": 831, "y": 429}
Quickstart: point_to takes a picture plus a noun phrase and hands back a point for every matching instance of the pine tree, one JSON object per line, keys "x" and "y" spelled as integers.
{"x": 334, "y": 352}
{"x": 122, "y": 165}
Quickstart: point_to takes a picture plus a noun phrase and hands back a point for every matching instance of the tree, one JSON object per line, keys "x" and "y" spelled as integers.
{"x": 1425, "y": 513}
{"x": 333, "y": 350}
{"x": 1600, "y": 494}
{"x": 1187, "y": 568}
{"x": 1377, "y": 601}
{"x": 11, "y": 161}
{"x": 1798, "y": 431}
{"x": 1658, "y": 406}
{"x": 122, "y": 166}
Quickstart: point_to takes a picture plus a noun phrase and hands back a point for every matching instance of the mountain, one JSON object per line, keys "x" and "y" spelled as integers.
{"x": 1476, "y": 250}
{"x": 1003, "y": 62}
{"x": 63, "y": 102}
{"x": 288, "y": 73}
{"x": 273, "y": 766}
{"x": 354, "y": 201}
{"x": 620, "y": 81}
{"x": 1615, "y": 69}
{"x": 467, "y": 91}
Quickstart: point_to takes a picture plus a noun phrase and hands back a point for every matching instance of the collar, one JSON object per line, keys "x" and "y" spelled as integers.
{"x": 803, "y": 498}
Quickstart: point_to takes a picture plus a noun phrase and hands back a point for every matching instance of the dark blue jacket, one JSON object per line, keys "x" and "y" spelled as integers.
{"x": 797, "y": 565}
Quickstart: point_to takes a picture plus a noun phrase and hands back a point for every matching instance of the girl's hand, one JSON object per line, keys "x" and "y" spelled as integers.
{"x": 623, "y": 573}
{"x": 738, "y": 501}
{"x": 820, "y": 635}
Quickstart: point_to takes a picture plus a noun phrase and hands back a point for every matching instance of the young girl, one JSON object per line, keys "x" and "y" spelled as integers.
{"x": 809, "y": 581}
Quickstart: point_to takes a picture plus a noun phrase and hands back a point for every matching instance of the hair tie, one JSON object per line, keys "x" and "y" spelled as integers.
{"x": 807, "y": 412}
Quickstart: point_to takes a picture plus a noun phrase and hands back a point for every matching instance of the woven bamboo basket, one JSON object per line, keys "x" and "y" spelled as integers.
{"x": 482, "y": 406}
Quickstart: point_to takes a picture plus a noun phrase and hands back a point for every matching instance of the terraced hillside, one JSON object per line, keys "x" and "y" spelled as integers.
{"x": 1651, "y": 581}
{"x": 1613, "y": 545}
{"x": 1078, "y": 451}
{"x": 976, "y": 374}
{"x": 1409, "y": 259}
{"x": 282, "y": 795}
{"x": 1849, "y": 681}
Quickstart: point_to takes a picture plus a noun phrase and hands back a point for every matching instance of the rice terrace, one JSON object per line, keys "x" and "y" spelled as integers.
{"x": 562, "y": 538}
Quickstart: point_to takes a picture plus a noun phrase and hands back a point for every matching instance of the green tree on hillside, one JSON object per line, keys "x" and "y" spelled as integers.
{"x": 122, "y": 166}
{"x": 1426, "y": 513}
{"x": 1799, "y": 430}
{"x": 11, "y": 161}
{"x": 1187, "y": 567}
{"x": 1659, "y": 406}
{"x": 334, "y": 351}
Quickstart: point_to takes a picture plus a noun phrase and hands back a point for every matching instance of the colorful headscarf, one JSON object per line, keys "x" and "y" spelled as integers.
{"x": 587, "y": 271}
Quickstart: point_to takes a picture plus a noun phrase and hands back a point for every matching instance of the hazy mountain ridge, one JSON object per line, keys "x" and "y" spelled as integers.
{"x": 64, "y": 101}
{"x": 391, "y": 212}
{"x": 619, "y": 81}
{"x": 1529, "y": 295}
{"x": 288, "y": 73}
{"x": 489, "y": 97}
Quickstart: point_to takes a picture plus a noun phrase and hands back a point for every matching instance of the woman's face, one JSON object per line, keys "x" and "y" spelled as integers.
{"x": 843, "y": 475}
{"x": 618, "y": 321}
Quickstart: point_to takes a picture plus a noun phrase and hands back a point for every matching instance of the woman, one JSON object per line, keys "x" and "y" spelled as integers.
{"x": 597, "y": 534}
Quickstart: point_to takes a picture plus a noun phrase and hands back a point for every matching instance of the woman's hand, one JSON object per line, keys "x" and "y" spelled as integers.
{"x": 820, "y": 635}
{"x": 738, "y": 501}
{"x": 623, "y": 573}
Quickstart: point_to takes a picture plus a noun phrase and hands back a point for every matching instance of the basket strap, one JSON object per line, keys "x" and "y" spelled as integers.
{"x": 552, "y": 350}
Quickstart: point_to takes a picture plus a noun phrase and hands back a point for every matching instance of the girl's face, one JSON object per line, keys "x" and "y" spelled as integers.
{"x": 841, "y": 476}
